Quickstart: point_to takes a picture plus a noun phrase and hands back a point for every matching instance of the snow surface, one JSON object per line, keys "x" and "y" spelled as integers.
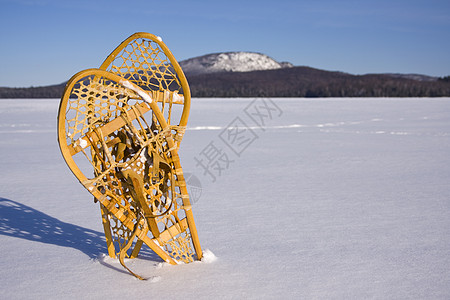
{"x": 329, "y": 199}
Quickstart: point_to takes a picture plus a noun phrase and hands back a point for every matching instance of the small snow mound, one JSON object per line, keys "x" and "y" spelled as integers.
{"x": 208, "y": 257}
{"x": 162, "y": 265}
{"x": 106, "y": 259}
{"x": 154, "y": 279}
{"x": 100, "y": 258}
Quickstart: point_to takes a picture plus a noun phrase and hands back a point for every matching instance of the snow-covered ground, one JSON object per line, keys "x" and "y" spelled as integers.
{"x": 297, "y": 199}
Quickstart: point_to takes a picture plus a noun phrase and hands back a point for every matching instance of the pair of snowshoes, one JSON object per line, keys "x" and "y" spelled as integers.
{"x": 119, "y": 129}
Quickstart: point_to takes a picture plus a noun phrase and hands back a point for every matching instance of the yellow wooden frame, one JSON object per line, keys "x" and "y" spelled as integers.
{"x": 173, "y": 61}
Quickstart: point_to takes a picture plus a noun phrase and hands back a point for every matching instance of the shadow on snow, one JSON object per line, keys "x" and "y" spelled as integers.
{"x": 21, "y": 221}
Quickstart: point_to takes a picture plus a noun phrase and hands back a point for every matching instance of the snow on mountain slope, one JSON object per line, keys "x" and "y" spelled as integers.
{"x": 231, "y": 62}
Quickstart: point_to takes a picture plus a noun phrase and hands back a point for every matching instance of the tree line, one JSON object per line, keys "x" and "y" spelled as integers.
{"x": 309, "y": 82}
{"x": 51, "y": 91}
{"x": 289, "y": 82}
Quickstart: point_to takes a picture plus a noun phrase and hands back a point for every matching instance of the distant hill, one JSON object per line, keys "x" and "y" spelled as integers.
{"x": 417, "y": 77}
{"x": 249, "y": 74}
{"x": 231, "y": 62}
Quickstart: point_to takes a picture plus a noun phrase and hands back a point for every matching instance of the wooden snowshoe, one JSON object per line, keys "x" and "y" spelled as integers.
{"x": 119, "y": 130}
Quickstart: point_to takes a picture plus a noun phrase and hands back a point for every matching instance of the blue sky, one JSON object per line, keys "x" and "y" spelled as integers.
{"x": 46, "y": 41}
